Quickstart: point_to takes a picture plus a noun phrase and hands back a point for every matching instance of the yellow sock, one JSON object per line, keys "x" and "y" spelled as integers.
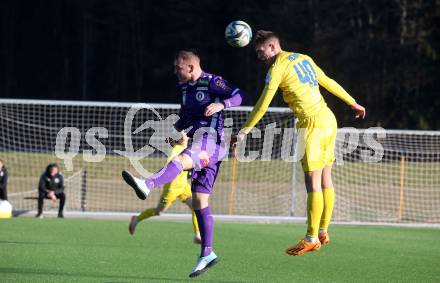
{"x": 146, "y": 214}
{"x": 315, "y": 205}
{"x": 329, "y": 201}
{"x": 195, "y": 224}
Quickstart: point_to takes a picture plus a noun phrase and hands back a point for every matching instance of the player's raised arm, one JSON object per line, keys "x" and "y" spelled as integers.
{"x": 273, "y": 80}
{"x": 336, "y": 89}
{"x": 267, "y": 46}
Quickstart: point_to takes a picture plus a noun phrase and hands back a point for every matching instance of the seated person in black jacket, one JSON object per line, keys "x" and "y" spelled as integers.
{"x": 51, "y": 186}
{"x": 3, "y": 181}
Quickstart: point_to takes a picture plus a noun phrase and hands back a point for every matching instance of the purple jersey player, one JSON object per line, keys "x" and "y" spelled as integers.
{"x": 204, "y": 96}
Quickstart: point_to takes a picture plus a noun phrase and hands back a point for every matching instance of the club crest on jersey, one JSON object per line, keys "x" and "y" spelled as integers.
{"x": 200, "y": 95}
{"x": 56, "y": 180}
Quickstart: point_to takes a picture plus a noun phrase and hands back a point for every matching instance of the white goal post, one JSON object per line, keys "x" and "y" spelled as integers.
{"x": 380, "y": 175}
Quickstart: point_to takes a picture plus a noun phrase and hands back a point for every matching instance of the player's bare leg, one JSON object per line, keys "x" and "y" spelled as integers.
{"x": 329, "y": 200}
{"x": 144, "y": 215}
{"x": 314, "y": 211}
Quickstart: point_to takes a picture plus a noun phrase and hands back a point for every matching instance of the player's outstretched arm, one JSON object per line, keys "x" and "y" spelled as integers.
{"x": 359, "y": 110}
{"x": 333, "y": 87}
{"x": 273, "y": 80}
{"x": 255, "y": 116}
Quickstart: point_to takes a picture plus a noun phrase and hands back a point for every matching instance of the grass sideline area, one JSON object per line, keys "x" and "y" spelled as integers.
{"x": 90, "y": 250}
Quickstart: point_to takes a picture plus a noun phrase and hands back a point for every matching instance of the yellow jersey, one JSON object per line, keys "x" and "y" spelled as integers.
{"x": 299, "y": 78}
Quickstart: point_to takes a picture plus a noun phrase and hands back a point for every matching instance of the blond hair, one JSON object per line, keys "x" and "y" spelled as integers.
{"x": 188, "y": 55}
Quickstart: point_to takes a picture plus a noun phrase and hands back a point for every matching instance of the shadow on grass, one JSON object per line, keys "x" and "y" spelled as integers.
{"x": 17, "y": 213}
{"x": 62, "y": 244}
{"x": 25, "y": 243}
{"x": 104, "y": 277}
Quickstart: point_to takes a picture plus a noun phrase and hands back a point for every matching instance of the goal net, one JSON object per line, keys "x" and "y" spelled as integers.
{"x": 380, "y": 176}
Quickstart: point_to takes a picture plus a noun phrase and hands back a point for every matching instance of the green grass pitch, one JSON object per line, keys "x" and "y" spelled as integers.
{"x": 86, "y": 250}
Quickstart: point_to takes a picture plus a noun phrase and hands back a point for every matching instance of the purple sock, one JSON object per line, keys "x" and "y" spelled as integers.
{"x": 166, "y": 175}
{"x": 206, "y": 226}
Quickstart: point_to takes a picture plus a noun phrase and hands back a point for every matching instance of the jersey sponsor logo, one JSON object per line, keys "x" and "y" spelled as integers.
{"x": 204, "y": 81}
{"x": 306, "y": 73}
{"x": 202, "y": 88}
{"x": 200, "y": 95}
{"x": 222, "y": 84}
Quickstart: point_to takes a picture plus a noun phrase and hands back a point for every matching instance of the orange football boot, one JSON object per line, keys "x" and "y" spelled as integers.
{"x": 324, "y": 238}
{"x": 303, "y": 247}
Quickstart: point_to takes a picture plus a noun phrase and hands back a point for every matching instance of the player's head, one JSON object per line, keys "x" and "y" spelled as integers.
{"x": 267, "y": 46}
{"x": 187, "y": 65}
{"x": 52, "y": 169}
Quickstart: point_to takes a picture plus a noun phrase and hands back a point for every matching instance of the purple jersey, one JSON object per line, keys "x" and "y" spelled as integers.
{"x": 196, "y": 96}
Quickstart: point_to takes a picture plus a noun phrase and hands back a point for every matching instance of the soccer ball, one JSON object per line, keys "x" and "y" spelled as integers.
{"x": 238, "y": 34}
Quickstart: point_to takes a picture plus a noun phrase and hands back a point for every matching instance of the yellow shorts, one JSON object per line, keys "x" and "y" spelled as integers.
{"x": 179, "y": 188}
{"x": 316, "y": 140}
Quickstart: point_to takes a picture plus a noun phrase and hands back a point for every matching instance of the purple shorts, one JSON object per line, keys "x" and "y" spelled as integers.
{"x": 203, "y": 180}
{"x": 207, "y": 154}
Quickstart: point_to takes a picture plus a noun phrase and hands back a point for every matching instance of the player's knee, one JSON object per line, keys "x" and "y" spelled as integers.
{"x": 313, "y": 188}
{"x": 204, "y": 158}
{"x": 178, "y": 158}
{"x": 197, "y": 203}
{"x": 185, "y": 160}
{"x": 327, "y": 181}
{"x": 327, "y": 184}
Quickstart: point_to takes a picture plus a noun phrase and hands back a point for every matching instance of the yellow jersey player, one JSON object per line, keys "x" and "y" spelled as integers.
{"x": 178, "y": 188}
{"x": 299, "y": 78}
